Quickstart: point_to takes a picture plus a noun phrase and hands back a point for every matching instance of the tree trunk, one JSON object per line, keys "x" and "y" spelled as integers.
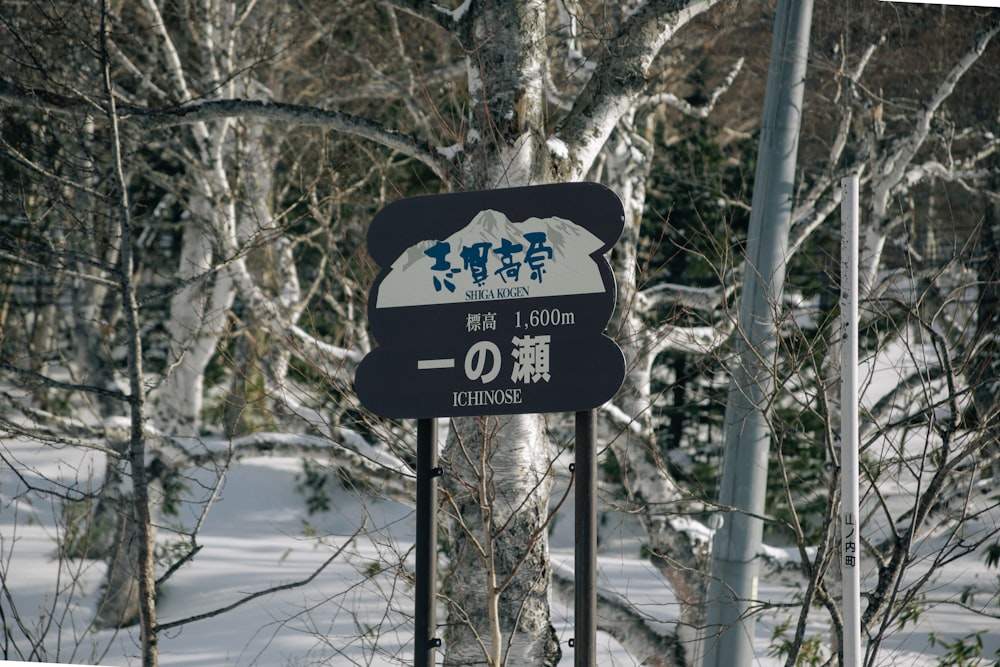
{"x": 115, "y": 536}
{"x": 496, "y": 497}
{"x": 197, "y": 316}
{"x": 501, "y": 536}
{"x": 144, "y": 521}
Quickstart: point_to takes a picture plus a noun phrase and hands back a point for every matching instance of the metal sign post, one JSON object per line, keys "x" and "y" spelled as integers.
{"x": 425, "y": 627}
{"x": 494, "y": 303}
{"x": 585, "y": 543}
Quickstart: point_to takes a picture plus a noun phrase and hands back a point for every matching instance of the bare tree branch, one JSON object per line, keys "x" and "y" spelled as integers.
{"x": 160, "y": 627}
{"x": 58, "y": 384}
{"x": 890, "y": 169}
{"x": 688, "y": 109}
{"x": 621, "y": 76}
{"x": 620, "y": 620}
{"x": 222, "y": 109}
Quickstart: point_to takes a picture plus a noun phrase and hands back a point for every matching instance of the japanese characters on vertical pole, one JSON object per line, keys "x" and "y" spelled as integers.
{"x": 849, "y": 432}
{"x": 494, "y": 303}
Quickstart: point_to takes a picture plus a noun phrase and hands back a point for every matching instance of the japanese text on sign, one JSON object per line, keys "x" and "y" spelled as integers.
{"x": 484, "y": 360}
{"x": 850, "y": 544}
{"x": 476, "y": 258}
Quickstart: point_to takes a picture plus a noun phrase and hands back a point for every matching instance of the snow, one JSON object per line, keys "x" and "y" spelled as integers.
{"x": 558, "y": 148}
{"x": 254, "y": 538}
{"x": 457, "y": 13}
{"x": 450, "y": 152}
{"x": 357, "y": 610}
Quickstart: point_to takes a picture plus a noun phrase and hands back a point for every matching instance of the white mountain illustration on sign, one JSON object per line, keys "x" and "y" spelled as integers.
{"x": 417, "y": 278}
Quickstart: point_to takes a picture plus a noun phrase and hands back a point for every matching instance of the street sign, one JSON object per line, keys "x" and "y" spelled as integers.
{"x": 493, "y": 302}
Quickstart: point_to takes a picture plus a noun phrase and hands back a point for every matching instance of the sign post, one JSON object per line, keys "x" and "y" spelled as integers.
{"x": 849, "y": 429}
{"x": 492, "y": 303}
{"x": 425, "y": 627}
{"x": 585, "y": 542}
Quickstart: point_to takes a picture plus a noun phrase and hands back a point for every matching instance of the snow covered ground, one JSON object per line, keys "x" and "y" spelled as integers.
{"x": 355, "y": 612}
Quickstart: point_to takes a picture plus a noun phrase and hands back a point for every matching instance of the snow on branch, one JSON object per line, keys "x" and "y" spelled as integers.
{"x": 53, "y": 430}
{"x": 375, "y": 466}
{"x": 436, "y": 13}
{"x": 334, "y": 360}
{"x": 694, "y": 340}
{"x": 454, "y": 14}
{"x": 689, "y": 109}
{"x": 689, "y": 339}
{"x": 314, "y": 348}
{"x": 378, "y": 468}
{"x": 693, "y": 298}
{"x": 294, "y": 444}
{"x": 621, "y": 419}
{"x": 967, "y": 178}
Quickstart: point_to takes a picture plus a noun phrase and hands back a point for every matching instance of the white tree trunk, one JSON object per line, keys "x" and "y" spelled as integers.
{"x": 496, "y": 496}
{"x": 507, "y": 148}
{"x": 197, "y": 317}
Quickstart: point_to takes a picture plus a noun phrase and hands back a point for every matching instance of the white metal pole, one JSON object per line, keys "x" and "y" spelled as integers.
{"x": 849, "y": 436}
{"x": 728, "y": 634}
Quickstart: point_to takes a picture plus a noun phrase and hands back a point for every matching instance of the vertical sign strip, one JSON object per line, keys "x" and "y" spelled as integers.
{"x": 849, "y": 434}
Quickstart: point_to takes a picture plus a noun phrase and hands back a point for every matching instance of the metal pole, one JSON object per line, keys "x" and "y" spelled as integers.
{"x": 849, "y": 435}
{"x": 729, "y": 625}
{"x": 425, "y": 626}
{"x": 585, "y": 554}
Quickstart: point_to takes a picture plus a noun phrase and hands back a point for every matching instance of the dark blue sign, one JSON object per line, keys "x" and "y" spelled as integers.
{"x": 493, "y": 302}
